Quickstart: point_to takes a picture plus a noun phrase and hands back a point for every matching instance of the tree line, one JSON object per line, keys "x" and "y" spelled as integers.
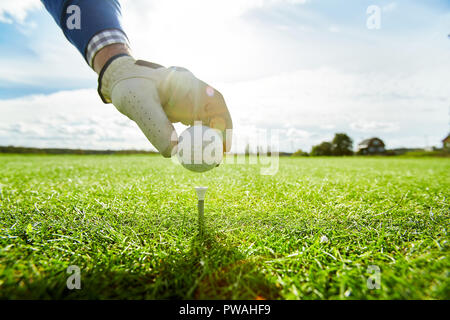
{"x": 24, "y": 150}
{"x": 341, "y": 145}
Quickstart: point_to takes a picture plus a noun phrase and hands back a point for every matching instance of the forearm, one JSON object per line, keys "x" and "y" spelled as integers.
{"x": 106, "y": 53}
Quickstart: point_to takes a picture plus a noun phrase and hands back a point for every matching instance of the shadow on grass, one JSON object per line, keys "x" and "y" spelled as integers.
{"x": 213, "y": 270}
{"x": 210, "y": 269}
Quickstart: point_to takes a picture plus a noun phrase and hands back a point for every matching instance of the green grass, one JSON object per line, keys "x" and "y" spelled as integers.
{"x": 130, "y": 224}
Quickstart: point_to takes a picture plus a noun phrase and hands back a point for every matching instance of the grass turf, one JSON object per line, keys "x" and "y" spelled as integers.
{"x": 311, "y": 231}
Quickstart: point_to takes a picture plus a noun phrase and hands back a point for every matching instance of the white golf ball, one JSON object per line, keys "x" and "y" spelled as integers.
{"x": 200, "y": 148}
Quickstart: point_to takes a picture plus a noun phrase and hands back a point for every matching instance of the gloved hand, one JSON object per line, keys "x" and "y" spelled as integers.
{"x": 155, "y": 97}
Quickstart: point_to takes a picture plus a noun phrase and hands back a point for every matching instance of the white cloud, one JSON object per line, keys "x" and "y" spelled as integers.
{"x": 390, "y": 7}
{"x": 334, "y": 29}
{"x": 209, "y": 37}
{"x": 217, "y": 8}
{"x": 70, "y": 119}
{"x": 311, "y": 104}
{"x": 13, "y": 10}
{"x": 374, "y": 126}
{"x": 306, "y": 106}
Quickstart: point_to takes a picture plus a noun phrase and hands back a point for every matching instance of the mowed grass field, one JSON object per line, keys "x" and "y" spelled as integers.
{"x": 318, "y": 229}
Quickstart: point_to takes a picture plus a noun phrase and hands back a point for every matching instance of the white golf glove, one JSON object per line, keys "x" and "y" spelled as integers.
{"x": 155, "y": 97}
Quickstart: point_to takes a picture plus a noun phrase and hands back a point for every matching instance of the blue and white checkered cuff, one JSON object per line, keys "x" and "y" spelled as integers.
{"x": 102, "y": 39}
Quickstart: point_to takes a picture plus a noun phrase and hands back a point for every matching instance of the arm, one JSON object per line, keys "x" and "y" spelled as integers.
{"x": 149, "y": 94}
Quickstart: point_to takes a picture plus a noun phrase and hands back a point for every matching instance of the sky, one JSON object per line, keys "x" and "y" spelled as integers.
{"x": 302, "y": 69}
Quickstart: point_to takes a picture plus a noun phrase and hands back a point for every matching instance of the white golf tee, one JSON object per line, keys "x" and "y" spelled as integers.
{"x": 201, "y": 207}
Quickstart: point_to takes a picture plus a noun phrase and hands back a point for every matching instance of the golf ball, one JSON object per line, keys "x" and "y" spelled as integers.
{"x": 200, "y": 148}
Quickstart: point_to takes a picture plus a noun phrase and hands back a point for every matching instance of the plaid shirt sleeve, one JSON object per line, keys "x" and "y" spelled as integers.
{"x": 102, "y": 39}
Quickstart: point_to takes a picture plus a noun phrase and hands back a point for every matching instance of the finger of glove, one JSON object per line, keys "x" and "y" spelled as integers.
{"x": 180, "y": 95}
{"x": 138, "y": 99}
{"x": 215, "y": 113}
{"x": 189, "y": 99}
